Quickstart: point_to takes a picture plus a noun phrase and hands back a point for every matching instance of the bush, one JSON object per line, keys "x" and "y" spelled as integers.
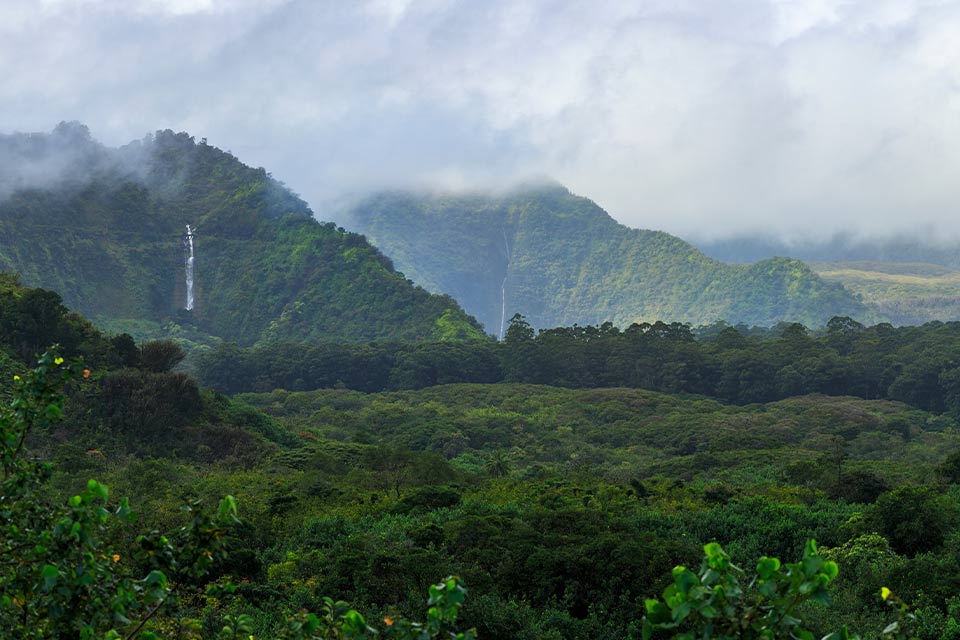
{"x": 913, "y": 518}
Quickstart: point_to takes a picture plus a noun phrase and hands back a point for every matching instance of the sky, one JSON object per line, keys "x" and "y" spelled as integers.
{"x": 705, "y": 118}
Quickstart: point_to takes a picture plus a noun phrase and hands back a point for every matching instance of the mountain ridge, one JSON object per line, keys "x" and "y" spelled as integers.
{"x": 108, "y": 235}
{"x": 560, "y": 259}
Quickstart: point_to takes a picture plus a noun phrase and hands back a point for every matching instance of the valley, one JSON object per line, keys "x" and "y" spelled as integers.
{"x": 365, "y": 437}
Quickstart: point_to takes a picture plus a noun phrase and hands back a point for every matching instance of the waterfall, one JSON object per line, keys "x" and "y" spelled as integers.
{"x": 503, "y": 285}
{"x": 188, "y": 243}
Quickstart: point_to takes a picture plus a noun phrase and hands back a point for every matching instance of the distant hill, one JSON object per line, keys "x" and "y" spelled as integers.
{"x": 906, "y": 280}
{"x": 904, "y": 293}
{"x": 839, "y": 248}
{"x": 560, "y": 259}
{"x": 106, "y": 228}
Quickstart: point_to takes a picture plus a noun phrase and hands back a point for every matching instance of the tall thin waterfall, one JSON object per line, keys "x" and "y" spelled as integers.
{"x": 503, "y": 285}
{"x": 188, "y": 243}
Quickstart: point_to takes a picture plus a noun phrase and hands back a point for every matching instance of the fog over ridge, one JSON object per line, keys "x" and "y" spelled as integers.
{"x": 796, "y": 119}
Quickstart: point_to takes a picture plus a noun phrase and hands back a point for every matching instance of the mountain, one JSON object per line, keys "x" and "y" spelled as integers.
{"x": 838, "y": 248}
{"x": 905, "y": 293}
{"x": 107, "y": 229}
{"x": 560, "y": 259}
{"x": 907, "y": 280}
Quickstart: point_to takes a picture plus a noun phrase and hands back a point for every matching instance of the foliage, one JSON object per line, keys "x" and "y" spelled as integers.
{"x": 719, "y": 602}
{"x": 559, "y": 259}
{"x": 66, "y": 572}
{"x": 62, "y": 574}
{"x": 160, "y": 356}
{"x": 913, "y": 518}
{"x": 916, "y": 365}
{"x": 564, "y": 509}
{"x": 110, "y": 239}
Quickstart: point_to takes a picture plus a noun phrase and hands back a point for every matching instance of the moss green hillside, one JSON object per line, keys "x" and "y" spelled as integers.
{"x": 106, "y": 229}
{"x": 559, "y": 259}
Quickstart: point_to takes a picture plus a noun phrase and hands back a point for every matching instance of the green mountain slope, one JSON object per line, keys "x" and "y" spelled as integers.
{"x": 106, "y": 228}
{"x": 904, "y": 292}
{"x": 560, "y": 259}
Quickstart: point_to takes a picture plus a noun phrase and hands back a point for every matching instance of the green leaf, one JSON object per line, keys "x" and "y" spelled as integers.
{"x": 49, "y": 574}
{"x": 228, "y": 507}
{"x": 713, "y": 550}
{"x": 657, "y": 612}
{"x": 766, "y": 567}
{"x": 831, "y": 569}
{"x": 97, "y": 490}
{"x": 647, "y": 630}
{"x": 684, "y": 579}
{"x": 156, "y": 578}
{"x": 682, "y": 611}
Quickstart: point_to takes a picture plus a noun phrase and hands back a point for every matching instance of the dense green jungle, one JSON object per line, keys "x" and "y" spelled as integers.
{"x": 561, "y": 504}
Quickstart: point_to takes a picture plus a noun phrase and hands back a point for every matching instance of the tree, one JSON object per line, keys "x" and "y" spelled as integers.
{"x": 66, "y": 573}
{"x": 519, "y": 352}
{"x": 160, "y": 356}
{"x": 394, "y": 466}
{"x": 497, "y": 464}
{"x": 518, "y": 330}
{"x": 913, "y": 518}
{"x": 949, "y": 469}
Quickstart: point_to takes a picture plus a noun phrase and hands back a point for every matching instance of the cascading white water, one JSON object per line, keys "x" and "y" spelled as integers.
{"x": 503, "y": 285}
{"x": 188, "y": 242}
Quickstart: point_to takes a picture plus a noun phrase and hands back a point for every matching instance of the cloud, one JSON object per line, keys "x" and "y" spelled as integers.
{"x": 697, "y": 117}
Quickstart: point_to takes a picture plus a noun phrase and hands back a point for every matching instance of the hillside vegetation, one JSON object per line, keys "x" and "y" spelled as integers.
{"x": 905, "y": 293}
{"x": 106, "y": 229}
{"x": 563, "y": 510}
{"x": 559, "y": 259}
{"x": 920, "y": 248}
{"x": 917, "y": 365}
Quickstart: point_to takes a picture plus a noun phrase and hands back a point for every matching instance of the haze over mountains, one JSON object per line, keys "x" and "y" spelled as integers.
{"x": 473, "y": 345}
{"x": 908, "y": 279}
{"x": 841, "y": 247}
{"x": 106, "y": 228}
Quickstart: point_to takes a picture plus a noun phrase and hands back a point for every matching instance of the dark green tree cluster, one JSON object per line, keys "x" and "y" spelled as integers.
{"x": 31, "y": 319}
{"x": 361, "y": 366}
{"x": 916, "y": 365}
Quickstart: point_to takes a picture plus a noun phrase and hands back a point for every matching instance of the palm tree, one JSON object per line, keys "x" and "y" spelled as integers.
{"x": 497, "y": 464}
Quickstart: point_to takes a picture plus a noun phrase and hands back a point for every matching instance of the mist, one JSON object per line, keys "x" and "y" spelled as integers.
{"x": 66, "y": 156}
{"x": 798, "y": 119}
